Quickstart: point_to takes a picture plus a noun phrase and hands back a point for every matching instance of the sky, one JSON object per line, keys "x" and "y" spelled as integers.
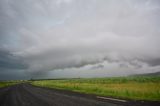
{"x": 78, "y": 38}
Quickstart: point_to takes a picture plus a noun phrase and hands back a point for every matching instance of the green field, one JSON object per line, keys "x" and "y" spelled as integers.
{"x": 135, "y": 88}
{"x": 8, "y": 83}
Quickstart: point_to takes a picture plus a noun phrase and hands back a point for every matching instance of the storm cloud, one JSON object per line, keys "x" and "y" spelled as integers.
{"x": 9, "y": 61}
{"x": 85, "y": 38}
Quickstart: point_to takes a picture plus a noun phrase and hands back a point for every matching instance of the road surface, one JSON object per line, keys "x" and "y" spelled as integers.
{"x": 28, "y": 95}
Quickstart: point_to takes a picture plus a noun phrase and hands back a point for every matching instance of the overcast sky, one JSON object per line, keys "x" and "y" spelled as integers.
{"x": 78, "y": 38}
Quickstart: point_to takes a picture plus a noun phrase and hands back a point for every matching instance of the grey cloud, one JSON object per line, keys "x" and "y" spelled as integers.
{"x": 153, "y": 61}
{"x": 47, "y": 35}
{"x": 98, "y": 66}
{"x": 9, "y": 61}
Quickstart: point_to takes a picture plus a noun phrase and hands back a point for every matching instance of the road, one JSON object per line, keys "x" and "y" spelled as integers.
{"x": 28, "y": 95}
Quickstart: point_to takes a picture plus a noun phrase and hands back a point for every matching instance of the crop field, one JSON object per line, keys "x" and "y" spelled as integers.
{"x": 135, "y": 88}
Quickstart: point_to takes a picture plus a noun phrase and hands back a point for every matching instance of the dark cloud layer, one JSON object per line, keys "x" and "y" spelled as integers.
{"x": 10, "y": 61}
{"x": 66, "y": 37}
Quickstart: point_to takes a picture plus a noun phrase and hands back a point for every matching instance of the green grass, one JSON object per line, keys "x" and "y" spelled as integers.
{"x": 136, "y": 88}
{"x": 8, "y": 83}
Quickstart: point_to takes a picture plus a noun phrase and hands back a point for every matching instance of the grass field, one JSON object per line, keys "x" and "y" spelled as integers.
{"x": 136, "y": 88}
{"x": 8, "y": 83}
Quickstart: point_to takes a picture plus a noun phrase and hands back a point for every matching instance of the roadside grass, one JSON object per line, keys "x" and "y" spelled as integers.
{"x": 8, "y": 83}
{"x": 135, "y": 88}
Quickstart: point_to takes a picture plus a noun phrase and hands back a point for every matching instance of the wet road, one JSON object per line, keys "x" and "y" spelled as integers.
{"x": 28, "y": 95}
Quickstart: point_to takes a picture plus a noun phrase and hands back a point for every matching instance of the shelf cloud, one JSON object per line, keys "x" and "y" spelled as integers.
{"x": 93, "y": 38}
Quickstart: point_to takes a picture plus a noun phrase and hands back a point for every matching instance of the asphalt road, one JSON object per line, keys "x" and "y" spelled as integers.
{"x": 28, "y": 95}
